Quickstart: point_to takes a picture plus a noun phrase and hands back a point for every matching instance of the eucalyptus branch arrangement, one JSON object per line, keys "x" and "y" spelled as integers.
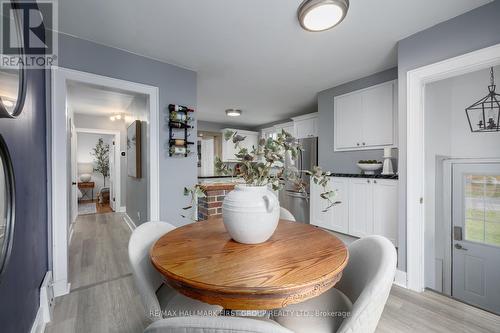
{"x": 267, "y": 164}
{"x": 194, "y": 193}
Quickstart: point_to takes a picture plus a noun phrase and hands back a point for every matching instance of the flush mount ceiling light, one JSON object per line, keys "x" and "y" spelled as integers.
{"x": 321, "y": 15}
{"x": 233, "y": 112}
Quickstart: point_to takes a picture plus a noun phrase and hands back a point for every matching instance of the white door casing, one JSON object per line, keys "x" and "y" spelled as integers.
{"x": 74, "y": 172}
{"x": 113, "y": 174}
{"x": 58, "y": 130}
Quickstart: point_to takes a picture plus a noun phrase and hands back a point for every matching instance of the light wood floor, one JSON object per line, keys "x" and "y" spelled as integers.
{"x": 100, "y": 208}
{"x": 103, "y": 297}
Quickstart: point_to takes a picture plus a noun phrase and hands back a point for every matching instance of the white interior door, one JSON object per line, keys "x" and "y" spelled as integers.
{"x": 112, "y": 175}
{"x": 476, "y": 235}
{"x": 74, "y": 172}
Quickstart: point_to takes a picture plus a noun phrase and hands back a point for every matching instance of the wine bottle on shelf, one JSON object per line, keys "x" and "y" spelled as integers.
{"x": 175, "y": 107}
{"x": 174, "y": 150}
{"x": 180, "y": 142}
{"x": 175, "y": 124}
{"x": 180, "y": 117}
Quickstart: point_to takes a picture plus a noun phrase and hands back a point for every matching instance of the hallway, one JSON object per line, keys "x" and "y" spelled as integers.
{"x": 103, "y": 297}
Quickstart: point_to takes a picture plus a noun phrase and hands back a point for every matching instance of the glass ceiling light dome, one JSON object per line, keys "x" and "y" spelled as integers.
{"x": 233, "y": 112}
{"x": 321, "y": 15}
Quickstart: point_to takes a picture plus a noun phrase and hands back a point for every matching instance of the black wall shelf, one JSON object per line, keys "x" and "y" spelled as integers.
{"x": 176, "y": 125}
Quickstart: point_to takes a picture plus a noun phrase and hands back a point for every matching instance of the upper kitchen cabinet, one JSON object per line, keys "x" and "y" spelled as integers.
{"x": 287, "y": 127}
{"x": 366, "y": 119}
{"x": 228, "y": 149}
{"x": 305, "y": 126}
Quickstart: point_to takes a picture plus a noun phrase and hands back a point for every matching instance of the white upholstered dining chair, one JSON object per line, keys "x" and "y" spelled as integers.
{"x": 157, "y": 297}
{"x": 286, "y": 215}
{"x": 215, "y": 325}
{"x": 363, "y": 291}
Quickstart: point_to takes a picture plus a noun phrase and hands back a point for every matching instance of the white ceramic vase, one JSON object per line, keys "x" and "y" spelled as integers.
{"x": 250, "y": 214}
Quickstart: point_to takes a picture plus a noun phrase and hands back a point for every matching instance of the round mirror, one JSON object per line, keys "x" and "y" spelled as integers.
{"x": 13, "y": 76}
{"x": 7, "y": 199}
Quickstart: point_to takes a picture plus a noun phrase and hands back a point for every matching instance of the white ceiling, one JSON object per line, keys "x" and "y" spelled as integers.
{"x": 96, "y": 100}
{"x": 253, "y": 54}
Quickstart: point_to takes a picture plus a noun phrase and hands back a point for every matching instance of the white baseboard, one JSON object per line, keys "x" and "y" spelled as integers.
{"x": 129, "y": 222}
{"x": 122, "y": 209}
{"x": 43, "y": 315}
{"x": 400, "y": 279}
{"x": 61, "y": 288}
{"x": 38, "y": 324}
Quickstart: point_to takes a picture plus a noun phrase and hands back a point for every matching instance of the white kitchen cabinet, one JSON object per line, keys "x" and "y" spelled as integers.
{"x": 336, "y": 218}
{"x": 366, "y": 119}
{"x": 385, "y": 209}
{"x": 305, "y": 126}
{"x": 360, "y": 207}
{"x": 287, "y": 127}
{"x": 368, "y": 207}
{"x": 228, "y": 149}
{"x": 348, "y": 112}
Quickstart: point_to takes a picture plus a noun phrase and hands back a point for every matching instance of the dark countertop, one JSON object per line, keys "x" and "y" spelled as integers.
{"x": 212, "y": 177}
{"x": 357, "y": 175}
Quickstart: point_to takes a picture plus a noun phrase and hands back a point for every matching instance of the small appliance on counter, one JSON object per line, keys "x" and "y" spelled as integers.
{"x": 387, "y": 169}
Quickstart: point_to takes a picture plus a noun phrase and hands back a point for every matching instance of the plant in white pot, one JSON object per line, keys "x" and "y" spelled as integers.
{"x": 251, "y": 211}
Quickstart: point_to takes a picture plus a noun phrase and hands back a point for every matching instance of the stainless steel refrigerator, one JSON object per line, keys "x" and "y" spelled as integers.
{"x": 292, "y": 199}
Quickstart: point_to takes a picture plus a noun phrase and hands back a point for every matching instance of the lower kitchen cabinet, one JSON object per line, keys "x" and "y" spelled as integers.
{"x": 385, "y": 209}
{"x": 336, "y": 218}
{"x": 368, "y": 207}
{"x": 360, "y": 207}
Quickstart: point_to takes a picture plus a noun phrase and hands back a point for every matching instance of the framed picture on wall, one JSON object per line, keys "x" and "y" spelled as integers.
{"x": 134, "y": 149}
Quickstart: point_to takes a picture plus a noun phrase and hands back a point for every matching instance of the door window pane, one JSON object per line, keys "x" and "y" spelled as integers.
{"x": 482, "y": 209}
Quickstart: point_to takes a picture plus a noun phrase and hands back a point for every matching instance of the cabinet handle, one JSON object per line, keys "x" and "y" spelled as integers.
{"x": 374, "y": 182}
{"x": 358, "y": 144}
{"x": 368, "y": 181}
{"x": 364, "y": 143}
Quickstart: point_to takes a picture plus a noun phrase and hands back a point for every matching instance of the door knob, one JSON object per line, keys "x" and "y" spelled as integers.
{"x": 460, "y": 247}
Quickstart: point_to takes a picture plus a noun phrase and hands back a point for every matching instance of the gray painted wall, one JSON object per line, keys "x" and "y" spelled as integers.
{"x": 471, "y": 31}
{"x": 176, "y": 85}
{"x": 345, "y": 162}
{"x": 26, "y": 140}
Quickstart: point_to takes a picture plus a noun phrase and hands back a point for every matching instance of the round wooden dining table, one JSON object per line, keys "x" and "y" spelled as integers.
{"x": 298, "y": 262}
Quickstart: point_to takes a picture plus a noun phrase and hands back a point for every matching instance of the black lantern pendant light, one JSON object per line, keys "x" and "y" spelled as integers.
{"x": 484, "y": 115}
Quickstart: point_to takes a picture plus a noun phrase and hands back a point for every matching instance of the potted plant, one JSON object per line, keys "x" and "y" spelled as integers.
{"x": 101, "y": 159}
{"x": 251, "y": 211}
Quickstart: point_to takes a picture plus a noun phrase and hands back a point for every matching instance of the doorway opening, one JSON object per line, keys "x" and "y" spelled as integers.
{"x": 98, "y": 189}
{"x": 91, "y": 154}
{"x": 444, "y": 200}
